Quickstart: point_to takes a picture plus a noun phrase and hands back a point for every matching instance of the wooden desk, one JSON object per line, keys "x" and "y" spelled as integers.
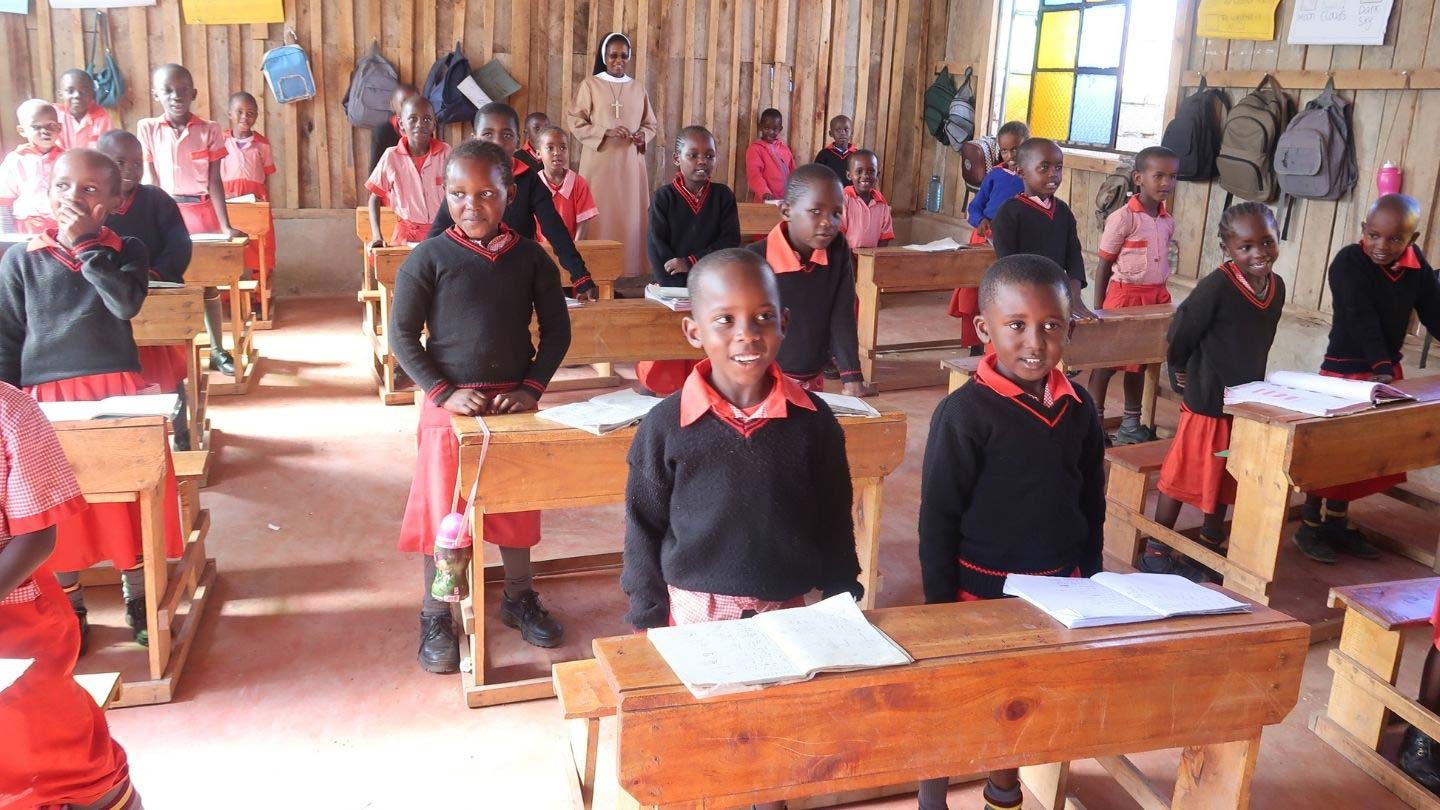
{"x": 222, "y": 264}
{"x": 121, "y": 461}
{"x": 175, "y": 316}
{"x": 880, "y": 271}
{"x": 534, "y": 464}
{"x": 625, "y": 331}
{"x": 254, "y": 219}
{"x": 997, "y": 684}
{"x": 756, "y": 220}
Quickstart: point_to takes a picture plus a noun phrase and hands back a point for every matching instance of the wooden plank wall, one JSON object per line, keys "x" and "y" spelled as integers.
{"x": 703, "y": 61}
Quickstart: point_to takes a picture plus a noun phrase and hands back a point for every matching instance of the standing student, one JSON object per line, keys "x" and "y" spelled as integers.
{"x": 56, "y": 749}
{"x": 386, "y": 135}
{"x": 474, "y": 289}
{"x": 25, "y": 172}
{"x": 535, "y": 123}
{"x": 409, "y": 177}
{"x": 182, "y": 157}
{"x": 1000, "y": 184}
{"x": 768, "y": 160}
{"x": 66, "y": 300}
{"x": 1375, "y": 286}
{"x": 867, "y": 221}
{"x": 246, "y": 169}
{"x": 148, "y": 214}
{"x": 817, "y": 286}
{"x": 1134, "y": 267}
{"x": 1020, "y": 435}
{"x": 568, "y": 190}
{"x": 690, "y": 218}
{"x": 82, "y": 121}
{"x": 1220, "y": 337}
{"x": 836, "y": 154}
{"x": 613, "y": 119}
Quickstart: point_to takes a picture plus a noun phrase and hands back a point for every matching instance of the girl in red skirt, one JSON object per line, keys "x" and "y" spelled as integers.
{"x": 1220, "y": 337}
{"x": 56, "y": 749}
{"x": 475, "y": 288}
{"x": 246, "y": 169}
{"x": 66, "y": 300}
{"x": 1001, "y": 183}
{"x": 1375, "y": 285}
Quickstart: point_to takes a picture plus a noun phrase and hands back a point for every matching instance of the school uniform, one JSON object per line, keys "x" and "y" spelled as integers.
{"x": 247, "y": 164}
{"x": 1026, "y": 224}
{"x": 25, "y": 186}
{"x": 180, "y": 164}
{"x": 86, "y": 132}
{"x": 56, "y": 748}
{"x": 819, "y": 291}
{"x": 1138, "y": 247}
{"x": 383, "y": 137}
{"x": 1012, "y": 484}
{"x": 149, "y": 215}
{"x": 533, "y": 209}
{"x": 1220, "y": 337}
{"x": 65, "y": 337}
{"x": 768, "y": 165}
{"x": 572, "y": 200}
{"x": 688, "y": 226}
{"x": 1000, "y": 184}
{"x": 476, "y": 301}
{"x": 413, "y": 187}
{"x": 867, "y": 224}
{"x": 836, "y": 160}
{"x": 728, "y": 511}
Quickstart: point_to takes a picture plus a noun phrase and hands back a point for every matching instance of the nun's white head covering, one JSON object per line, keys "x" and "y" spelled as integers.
{"x": 600, "y": 70}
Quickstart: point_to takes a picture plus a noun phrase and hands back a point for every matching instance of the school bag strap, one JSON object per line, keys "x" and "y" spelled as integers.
{"x": 101, "y": 65}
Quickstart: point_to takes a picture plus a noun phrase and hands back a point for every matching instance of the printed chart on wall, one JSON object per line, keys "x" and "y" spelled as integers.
{"x": 98, "y": 3}
{"x": 1237, "y": 19}
{"x": 232, "y": 12}
{"x": 1340, "y": 22}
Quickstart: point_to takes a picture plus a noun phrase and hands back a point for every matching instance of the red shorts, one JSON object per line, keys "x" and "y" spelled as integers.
{"x": 199, "y": 217}
{"x": 664, "y": 377}
{"x": 1192, "y": 473}
{"x": 437, "y": 460}
{"x": 965, "y": 303}
{"x": 1120, "y": 295}
{"x": 407, "y": 231}
{"x": 1358, "y": 489}
{"x": 163, "y": 367}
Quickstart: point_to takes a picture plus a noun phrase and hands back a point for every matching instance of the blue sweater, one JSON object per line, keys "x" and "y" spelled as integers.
{"x": 999, "y": 186}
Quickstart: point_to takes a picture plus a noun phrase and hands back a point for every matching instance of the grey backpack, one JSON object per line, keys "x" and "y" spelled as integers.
{"x": 1114, "y": 191}
{"x": 1247, "y": 145}
{"x": 960, "y": 118}
{"x": 367, "y": 102}
{"x": 1315, "y": 158}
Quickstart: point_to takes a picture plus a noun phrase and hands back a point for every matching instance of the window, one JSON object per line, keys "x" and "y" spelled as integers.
{"x": 1086, "y": 73}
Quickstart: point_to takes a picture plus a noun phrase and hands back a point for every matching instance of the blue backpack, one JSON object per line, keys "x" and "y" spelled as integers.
{"x": 442, "y": 88}
{"x": 287, "y": 71}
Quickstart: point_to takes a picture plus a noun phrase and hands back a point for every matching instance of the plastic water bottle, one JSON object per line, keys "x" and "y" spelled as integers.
{"x": 452, "y": 560}
{"x": 1389, "y": 178}
{"x": 933, "y": 194}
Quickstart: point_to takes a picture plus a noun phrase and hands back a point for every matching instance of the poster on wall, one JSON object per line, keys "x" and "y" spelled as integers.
{"x": 14, "y": 6}
{"x": 1339, "y": 22}
{"x": 232, "y": 12}
{"x": 99, "y": 3}
{"x": 1237, "y": 19}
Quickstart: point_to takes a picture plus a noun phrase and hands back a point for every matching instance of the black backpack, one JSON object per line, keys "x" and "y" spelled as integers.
{"x": 937, "y": 104}
{"x": 442, "y": 88}
{"x": 960, "y": 117}
{"x": 1194, "y": 134}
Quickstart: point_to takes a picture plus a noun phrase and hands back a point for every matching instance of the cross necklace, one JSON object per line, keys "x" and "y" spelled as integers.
{"x": 616, "y": 105}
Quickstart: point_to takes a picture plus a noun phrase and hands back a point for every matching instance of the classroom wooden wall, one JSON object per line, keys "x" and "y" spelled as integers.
{"x": 716, "y": 62}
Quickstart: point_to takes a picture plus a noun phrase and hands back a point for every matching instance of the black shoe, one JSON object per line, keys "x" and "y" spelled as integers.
{"x": 439, "y": 649}
{"x": 535, "y": 624}
{"x": 1164, "y": 562}
{"x": 82, "y": 618}
{"x": 830, "y": 371}
{"x": 181, "y": 439}
{"x": 1314, "y": 543}
{"x": 1349, "y": 540}
{"x": 221, "y": 361}
{"x": 135, "y": 617}
{"x": 1139, "y": 434}
{"x": 1417, "y": 759}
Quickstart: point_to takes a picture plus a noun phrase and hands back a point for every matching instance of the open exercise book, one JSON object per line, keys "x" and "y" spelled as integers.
{"x": 783, "y": 646}
{"x": 602, "y": 414}
{"x": 676, "y": 298}
{"x": 1108, "y": 598}
{"x": 1315, "y": 394}
{"x": 111, "y": 408}
{"x": 938, "y": 246}
{"x": 842, "y": 405}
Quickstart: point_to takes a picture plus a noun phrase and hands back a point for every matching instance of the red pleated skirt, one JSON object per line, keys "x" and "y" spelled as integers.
{"x": 1192, "y": 473}
{"x": 1356, "y": 490}
{"x": 239, "y": 188}
{"x": 200, "y": 217}
{"x": 965, "y": 303}
{"x": 437, "y": 458}
{"x": 163, "y": 367}
{"x": 1120, "y": 295}
{"x": 407, "y": 231}
{"x": 664, "y": 377}
{"x": 107, "y": 531}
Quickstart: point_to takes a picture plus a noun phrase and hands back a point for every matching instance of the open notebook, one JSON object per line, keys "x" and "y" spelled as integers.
{"x": 1315, "y": 394}
{"x": 842, "y": 405}
{"x": 783, "y": 646}
{"x": 675, "y": 298}
{"x": 111, "y": 408}
{"x": 1108, "y": 598}
{"x": 602, "y": 414}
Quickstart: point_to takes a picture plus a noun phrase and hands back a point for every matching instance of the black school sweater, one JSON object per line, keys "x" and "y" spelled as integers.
{"x": 1022, "y": 226}
{"x": 1008, "y": 491}
{"x": 533, "y": 202}
{"x": 381, "y": 138}
{"x": 1372, "y": 311}
{"x": 153, "y": 217}
{"x": 835, "y": 160}
{"x": 710, "y": 510}
{"x": 67, "y": 314}
{"x": 821, "y": 301}
{"x": 477, "y": 306}
{"x": 1221, "y": 336}
{"x": 689, "y": 227}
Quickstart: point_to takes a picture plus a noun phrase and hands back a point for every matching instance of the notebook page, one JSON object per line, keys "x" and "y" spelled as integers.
{"x": 1077, "y": 602}
{"x": 139, "y": 405}
{"x": 719, "y": 653}
{"x": 1170, "y": 595}
{"x": 843, "y": 405}
{"x": 1300, "y": 400}
{"x": 831, "y": 635}
{"x": 1355, "y": 391}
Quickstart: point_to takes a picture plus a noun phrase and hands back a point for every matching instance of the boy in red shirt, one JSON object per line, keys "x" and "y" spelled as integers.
{"x": 535, "y": 124}
{"x": 246, "y": 169}
{"x": 568, "y": 190}
{"x": 82, "y": 121}
{"x": 867, "y": 215}
{"x": 768, "y": 161}
{"x": 25, "y": 172}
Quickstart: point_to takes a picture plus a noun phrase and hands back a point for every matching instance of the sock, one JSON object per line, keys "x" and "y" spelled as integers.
{"x": 132, "y": 582}
{"x": 932, "y": 793}
{"x": 518, "y": 579}
{"x": 430, "y": 606}
{"x": 1311, "y": 512}
{"x": 70, "y": 584}
{"x": 1001, "y": 798}
{"x": 1334, "y": 513}
{"x": 213, "y": 319}
{"x": 1155, "y": 548}
{"x": 1131, "y": 418}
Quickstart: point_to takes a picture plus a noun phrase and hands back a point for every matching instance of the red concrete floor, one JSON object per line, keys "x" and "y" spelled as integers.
{"x": 302, "y": 690}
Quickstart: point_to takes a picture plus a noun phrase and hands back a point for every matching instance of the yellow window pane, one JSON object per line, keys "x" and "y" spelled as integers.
{"x": 1059, "y": 39}
{"x": 1017, "y": 97}
{"x": 1050, "y": 108}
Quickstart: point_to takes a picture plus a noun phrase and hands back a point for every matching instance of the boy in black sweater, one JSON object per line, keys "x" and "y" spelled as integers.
{"x": 1038, "y": 222}
{"x": 699, "y": 544}
{"x": 836, "y": 154}
{"x": 474, "y": 288}
{"x": 811, "y": 262}
{"x": 1018, "y": 432}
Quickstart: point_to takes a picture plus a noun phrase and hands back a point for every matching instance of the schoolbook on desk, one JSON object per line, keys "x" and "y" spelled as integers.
{"x": 676, "y": 299}
{"x": 1315, "y": 394}
{"x": 1108, "y": 598}
{"x": 783, "y": 646}
{"x": 602, "y": 414}
{"x": 111, "y": 408}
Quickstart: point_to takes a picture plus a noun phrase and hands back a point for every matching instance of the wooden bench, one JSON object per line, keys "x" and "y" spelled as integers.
{"x": 175, "y": 316}
{"x": 254, "y": 219}
{"x": 756, "y": 220}
{"x": 1363, "y": 695}
{"x": 221, "y": 264}
{"x": 585, "y": 698}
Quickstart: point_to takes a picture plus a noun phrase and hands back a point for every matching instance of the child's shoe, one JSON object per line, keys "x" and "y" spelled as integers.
{"x": 1417, "y": 759}
{"x": 1137, "y": 434}
{"x": 1348, "y": 540}
{"x": 439, "y": 648}
{"x": 1158, "y": 559}
{"x": 998, "y": 799}
{"x": 1314, "y": 542}
{"x": 135, "y": 617}
{"x": 534, "y": 622}
{"x": 222, "y": 361}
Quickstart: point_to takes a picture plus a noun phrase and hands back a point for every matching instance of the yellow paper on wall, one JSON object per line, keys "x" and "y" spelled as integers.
{"x": 1236, "y": 19}
{"x": 232, "y": 12}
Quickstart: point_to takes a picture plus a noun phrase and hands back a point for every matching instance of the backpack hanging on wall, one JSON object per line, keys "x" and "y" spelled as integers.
{"x": 109, "y": 84}
{"x": 977, "y": 158}
{"x": 287, "y": 71}
{"x": 937, "y": 104}
{"x": 960, "y": 116}
{"x": 1194, "y": 134}
{"x": 442, "y": 88}
{"x": 1114, "y": 191}
{"x": 1315, "y": 156}
{"x": 367, "y": 101}
{"x": 1247, "y": 147}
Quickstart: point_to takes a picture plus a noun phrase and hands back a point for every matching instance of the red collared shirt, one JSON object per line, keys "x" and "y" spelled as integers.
{"x": 25, "y": 180}
{"x": 414, "y": 192}
{"x": 1057, "y": 387}
{"x": 1407, "y": 261}
{"x": 50, "y": 240}
{"x": 83, "y": 134}
{"x": 502, "y": 241}
{"x": 178, "y": 161}
{"x": 1138, "y": 244}
{"x": 249, "y": 160}
{"x": 573, "y": 202}
{"x": 783, "y": 258}
{"x": 698, "y": 397}
{"x": 866, "y": 224}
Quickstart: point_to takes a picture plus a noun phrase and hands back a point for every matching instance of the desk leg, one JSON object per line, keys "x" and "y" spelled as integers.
{"x": 957, "y": 379}
{"x": 477, "y": 595}
{"x": 866, "y": 513}
{"x": 1213, "y": 777}
{"x": 868, "y": 323}
{"x": 1377, "y": 650}
{"x": 1047, "y": 783}
{"x": 192, "y": 392}
{"x": 1124, "y": 496}
{"x": 1257, "y": 458}
{"x": 263, "y": 282}
{"x": 152, "y": 540}
{"x": 1152, "y": 392}
{"x": 237, "y": 331}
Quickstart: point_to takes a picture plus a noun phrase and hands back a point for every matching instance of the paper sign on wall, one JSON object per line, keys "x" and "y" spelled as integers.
{"x": 14, "y": 6}
{"x": 99, "y": 3}
{"x": 1339, "y": 22}
{"x": 232, "y": 12}
{"x": 1237, "y": 19}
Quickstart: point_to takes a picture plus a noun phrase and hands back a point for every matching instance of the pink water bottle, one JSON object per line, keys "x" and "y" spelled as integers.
{"x": 452, "y": 560}
{"x": 1388, "y": 179}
